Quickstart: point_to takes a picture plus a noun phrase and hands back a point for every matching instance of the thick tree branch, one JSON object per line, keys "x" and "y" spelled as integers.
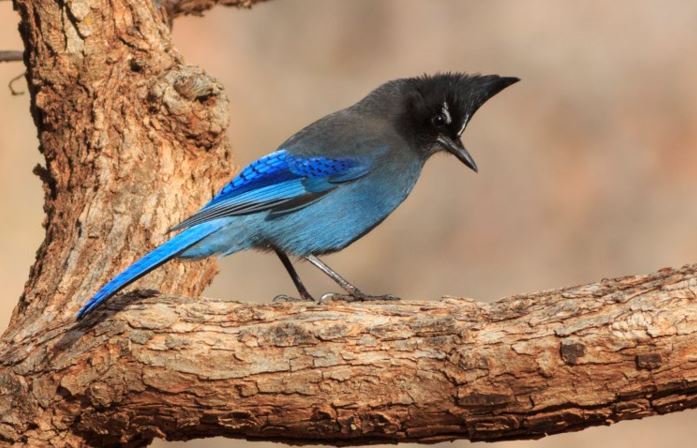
{"x": 134, "y": 140}
{"x": 342, "y": 373}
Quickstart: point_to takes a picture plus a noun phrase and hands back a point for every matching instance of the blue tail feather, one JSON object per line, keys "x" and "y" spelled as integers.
{"x": 150, "y": 261}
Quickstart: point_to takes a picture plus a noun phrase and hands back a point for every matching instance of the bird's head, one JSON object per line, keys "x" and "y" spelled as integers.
{"x": 436, "y": 109}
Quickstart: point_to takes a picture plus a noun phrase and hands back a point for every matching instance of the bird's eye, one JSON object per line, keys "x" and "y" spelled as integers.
{"x": 439, "y": 120}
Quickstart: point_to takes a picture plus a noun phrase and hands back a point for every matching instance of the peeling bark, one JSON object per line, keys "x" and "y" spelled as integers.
{"x": 134, "y": 140}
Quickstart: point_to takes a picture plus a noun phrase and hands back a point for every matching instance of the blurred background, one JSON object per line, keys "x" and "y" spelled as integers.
{"x": 588, "y": 167}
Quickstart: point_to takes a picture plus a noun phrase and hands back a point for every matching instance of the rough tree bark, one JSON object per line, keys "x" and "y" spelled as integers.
{"x": 134, "y": 140}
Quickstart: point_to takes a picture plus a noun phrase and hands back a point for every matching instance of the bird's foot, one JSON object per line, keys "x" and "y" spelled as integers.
{"x": 358, "y": 296}
{"x": 283, "y": 298}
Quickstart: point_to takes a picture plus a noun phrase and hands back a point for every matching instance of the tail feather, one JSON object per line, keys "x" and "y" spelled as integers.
{"x": 150, "y": 261}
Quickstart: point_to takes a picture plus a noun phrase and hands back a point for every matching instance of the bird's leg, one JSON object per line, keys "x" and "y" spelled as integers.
{"x": 354, "y": 294}
{"x": 304, "y": 294}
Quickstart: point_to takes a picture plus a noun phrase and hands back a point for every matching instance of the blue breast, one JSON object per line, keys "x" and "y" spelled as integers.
{"x": 342, "y": 216}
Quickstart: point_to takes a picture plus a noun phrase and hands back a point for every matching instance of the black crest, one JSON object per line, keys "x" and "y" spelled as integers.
{"x": 457, "y": 94}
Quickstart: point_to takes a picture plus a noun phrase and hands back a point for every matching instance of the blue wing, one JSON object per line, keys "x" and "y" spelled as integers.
{"x": 280, "y": 183}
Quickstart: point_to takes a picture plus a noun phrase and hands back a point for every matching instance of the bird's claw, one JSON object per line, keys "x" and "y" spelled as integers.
{"x": 344, "y": 297}
{"x": 358, "y": 297}
{"x": 283, "y": 298}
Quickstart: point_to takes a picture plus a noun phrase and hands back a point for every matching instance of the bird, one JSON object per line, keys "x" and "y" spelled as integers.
{"x": 330, "y": 183}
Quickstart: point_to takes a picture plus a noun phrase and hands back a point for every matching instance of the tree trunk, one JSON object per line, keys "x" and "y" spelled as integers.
{"x": 134, "y": 141}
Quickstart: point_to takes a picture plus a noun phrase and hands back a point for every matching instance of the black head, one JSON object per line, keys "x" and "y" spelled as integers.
{"x": 436, "y": 109}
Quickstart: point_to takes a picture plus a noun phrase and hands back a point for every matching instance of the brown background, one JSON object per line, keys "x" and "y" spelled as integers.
{"x": 588, "y": 168}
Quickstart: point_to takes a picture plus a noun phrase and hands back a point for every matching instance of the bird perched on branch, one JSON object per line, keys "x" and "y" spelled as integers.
{"x": 332, "y": 182}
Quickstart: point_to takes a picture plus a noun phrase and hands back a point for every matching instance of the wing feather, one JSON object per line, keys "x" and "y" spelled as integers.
{"x": 281, "y": 183}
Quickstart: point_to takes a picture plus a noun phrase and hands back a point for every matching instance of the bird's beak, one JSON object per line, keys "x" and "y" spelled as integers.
{"x": 456, "y": 148}
{"x": 479, "y": 90}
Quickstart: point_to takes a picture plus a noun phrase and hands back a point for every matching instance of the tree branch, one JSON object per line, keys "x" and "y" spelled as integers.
{"x": 340, "y": 373}
{"x": 175, "y": 8}
{"x": 10, "y": 56}
{"x": 134, "y": 140}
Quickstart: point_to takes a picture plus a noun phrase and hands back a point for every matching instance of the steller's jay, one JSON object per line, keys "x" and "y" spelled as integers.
{"x": 332, "y": 182}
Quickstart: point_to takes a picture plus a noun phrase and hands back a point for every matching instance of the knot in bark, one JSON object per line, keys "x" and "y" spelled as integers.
{"x": 192, "y": 106}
